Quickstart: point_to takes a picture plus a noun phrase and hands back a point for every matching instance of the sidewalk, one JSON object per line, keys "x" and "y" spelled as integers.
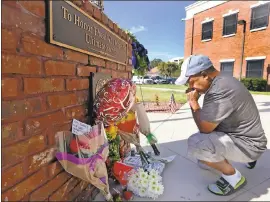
{"x": 184, "y": 180}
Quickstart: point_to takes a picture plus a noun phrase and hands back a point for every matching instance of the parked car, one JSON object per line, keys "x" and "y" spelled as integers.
{"x": 171, "y": 80}
{"x": 142, "y": 80}
{"x": 159, "y": 80}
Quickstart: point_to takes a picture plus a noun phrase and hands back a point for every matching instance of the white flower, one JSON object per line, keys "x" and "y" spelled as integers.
{"x": 144, "y": 183}
{"x": 142, "y": 192}
{"x": 154, "y": 176}
{"x": 159, "y": 189}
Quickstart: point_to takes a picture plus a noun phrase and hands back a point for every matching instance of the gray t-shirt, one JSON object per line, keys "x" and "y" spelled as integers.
{"x": 229, "y": 103}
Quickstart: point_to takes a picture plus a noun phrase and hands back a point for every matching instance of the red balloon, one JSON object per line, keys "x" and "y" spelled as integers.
{"x": 114, "y": 100}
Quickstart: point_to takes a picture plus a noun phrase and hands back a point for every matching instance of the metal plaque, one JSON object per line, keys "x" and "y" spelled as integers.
{"x": 72, "y": 28}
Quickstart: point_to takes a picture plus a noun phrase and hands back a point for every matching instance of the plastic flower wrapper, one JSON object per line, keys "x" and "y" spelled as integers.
{"x": 144, "y": 126}
{"x": 83, "y": 155}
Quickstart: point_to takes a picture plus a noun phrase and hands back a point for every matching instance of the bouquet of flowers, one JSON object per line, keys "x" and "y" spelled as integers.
{"x": 145, "y": 184}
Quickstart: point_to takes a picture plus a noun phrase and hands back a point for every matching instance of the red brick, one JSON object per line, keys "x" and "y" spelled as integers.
{"x": 61, "y": 193}
{"x": 21, "y": 108}
{"x": 55, "y": 168}
{"x": 88, "y": 193}
{"x": 76, "y": 112}
{"x": 36, "y": 161}
{"x": 77, "y": 84}
{"x": 78, "y": 3}
{"x": 85, "y": 70}
{"x": 121, "y": 67}
{"x": 21, "y": 19}
{"x": 104, "y": 19}
{"x": 31, "y": 44}
{"x": 58, "y": 101}
{"x": 111, "y": 65}
{"x": 9, "y": 40}
{"x": 59, "y": 68}
{"x": 35, "y": 7}
{"x": 46, "y": 190}
{"x": 116, "y": 74}
{"x": 10, "y": 3}
{"x": 18, "y": 151}
{"x": 57, "y": 128}
{"x": 110, "y": 23}
{"x": 76, "y": 191}
{"x": 124, "y": 35}
{"x": 105, "y": 71}
{"x": 40, "y": 85}
{"x": 15, "y": 64}
{"x": 97, "y": 14}
{"x": 11, "y": 132}
{"x": 82, "y": 96}
{"x": 97, "y": 61}
{"x": 25, "y": 187}
{"x": 38, "y": 124}
{"x": 116, "y": 28}
{"x": 88, "y": 7}
{"x": 12, "y": 176}
{"x": 9, "y": 87}
{"x": 129, "y": 68}
{"x": 76, "y": 56}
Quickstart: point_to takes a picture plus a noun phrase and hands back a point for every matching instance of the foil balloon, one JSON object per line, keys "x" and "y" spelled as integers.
{"x": 114, "y": 100}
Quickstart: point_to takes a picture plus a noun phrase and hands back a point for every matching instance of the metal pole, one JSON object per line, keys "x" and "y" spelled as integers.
{"x": 243, "y": 48}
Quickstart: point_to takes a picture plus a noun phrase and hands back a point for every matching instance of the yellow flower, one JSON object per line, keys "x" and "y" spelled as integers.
{"x": 112, "y": 131}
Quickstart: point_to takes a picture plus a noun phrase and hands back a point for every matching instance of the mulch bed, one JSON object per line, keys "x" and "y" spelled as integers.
{"x": 163, "y": 107}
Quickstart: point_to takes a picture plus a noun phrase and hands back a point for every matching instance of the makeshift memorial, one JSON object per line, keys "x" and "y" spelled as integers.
{"x": 83, "y": 154}
{"x": 115, "y": 106}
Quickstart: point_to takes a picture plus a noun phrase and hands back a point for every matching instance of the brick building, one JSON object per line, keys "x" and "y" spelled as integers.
{"x": 44, "y": 87}
{"x": 215, "y": 28}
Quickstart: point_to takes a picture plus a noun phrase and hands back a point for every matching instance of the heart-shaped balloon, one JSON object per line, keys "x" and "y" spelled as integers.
{"x": 114, "y": 100}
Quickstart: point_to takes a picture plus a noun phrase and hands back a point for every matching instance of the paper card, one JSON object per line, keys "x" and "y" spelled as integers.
{"x": 79, "y": 128}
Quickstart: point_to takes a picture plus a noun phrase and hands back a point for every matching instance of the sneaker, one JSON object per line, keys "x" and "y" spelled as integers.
{"x": 251, "y": 165}
{"x": 223, "y": 188}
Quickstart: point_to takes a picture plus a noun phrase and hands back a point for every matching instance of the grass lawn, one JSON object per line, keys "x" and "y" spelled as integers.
{"x": 259, "y": 93}
{"x": 169, "y": 86}
{"x": 176, "y": 87}
{"x": 164, "y": 96}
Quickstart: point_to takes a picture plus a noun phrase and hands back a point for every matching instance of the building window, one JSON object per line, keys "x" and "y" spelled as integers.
{"x": 260, "y": 16}
{"x": 254, "y": 68}
{"x": 207, "y": 30}
{"x": 226, "y": 68}
{"x": 230, "y": 24}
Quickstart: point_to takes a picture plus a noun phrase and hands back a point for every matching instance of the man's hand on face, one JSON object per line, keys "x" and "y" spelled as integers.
{"x": 193, "y": 96}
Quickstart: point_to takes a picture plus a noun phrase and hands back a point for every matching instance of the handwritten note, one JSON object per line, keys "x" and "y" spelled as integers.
{"x": 79, "y": 128}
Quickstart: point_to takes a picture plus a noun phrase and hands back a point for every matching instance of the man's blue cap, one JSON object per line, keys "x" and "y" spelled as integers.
{"x": 197, "y": 64}
{"x": 192, "y": 65}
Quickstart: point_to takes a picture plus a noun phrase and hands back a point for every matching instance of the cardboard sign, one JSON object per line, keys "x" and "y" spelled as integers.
{"x": 79, "y": 128}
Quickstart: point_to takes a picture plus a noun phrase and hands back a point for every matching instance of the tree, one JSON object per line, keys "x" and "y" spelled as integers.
{"x": 155, "y": 62}
{"x": 163, "y": 68}
{"x": 168, "y": 69}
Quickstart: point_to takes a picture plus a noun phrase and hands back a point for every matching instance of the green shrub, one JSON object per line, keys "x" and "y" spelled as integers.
{"x": 255, "y": 84}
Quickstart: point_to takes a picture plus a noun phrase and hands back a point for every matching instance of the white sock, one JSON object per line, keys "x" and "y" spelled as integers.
{"x": 233, "y": 179}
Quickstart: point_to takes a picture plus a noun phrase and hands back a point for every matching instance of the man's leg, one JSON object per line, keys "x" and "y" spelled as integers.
{"x": 222, "y": 166}
{"x": 211, "y": 150}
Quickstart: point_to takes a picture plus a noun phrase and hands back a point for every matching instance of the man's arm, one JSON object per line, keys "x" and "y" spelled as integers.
{"x": 203, "y": 126}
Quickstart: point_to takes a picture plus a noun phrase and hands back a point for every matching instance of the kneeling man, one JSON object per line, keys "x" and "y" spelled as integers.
{"x": 229, "y": 124}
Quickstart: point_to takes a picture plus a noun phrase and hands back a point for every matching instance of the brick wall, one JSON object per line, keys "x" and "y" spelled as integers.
{"x": 256, "y": 44}
{"x": 43, "y": 88}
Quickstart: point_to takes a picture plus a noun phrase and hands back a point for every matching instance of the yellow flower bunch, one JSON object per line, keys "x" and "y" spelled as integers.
{"x": 129, "y": 117}
{"x": 111, "y": 132}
